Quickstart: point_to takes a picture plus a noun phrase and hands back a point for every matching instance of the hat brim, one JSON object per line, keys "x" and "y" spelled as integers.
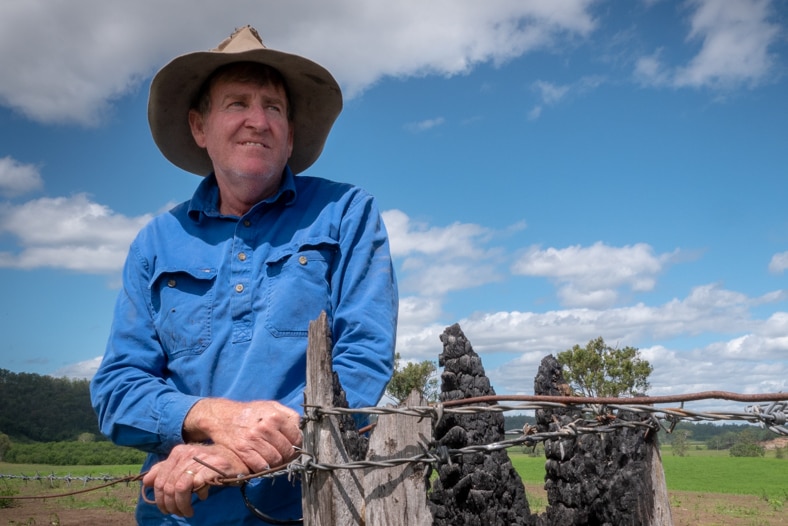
{"x": 314, "y": 94}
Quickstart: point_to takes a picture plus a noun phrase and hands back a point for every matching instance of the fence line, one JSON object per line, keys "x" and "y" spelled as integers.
{"x": 772, "y": 416}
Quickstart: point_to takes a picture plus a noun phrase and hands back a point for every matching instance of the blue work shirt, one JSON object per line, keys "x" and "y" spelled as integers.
{"x": 218, "y": 306}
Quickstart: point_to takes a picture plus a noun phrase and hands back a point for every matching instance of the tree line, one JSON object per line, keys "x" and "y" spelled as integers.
{"x": 36, "y": 408}
{"x": 47, "y": 420}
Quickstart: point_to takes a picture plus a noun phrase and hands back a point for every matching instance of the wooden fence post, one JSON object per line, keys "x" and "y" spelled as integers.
{"x": 329, "y": 498}
{"x": 661, "y": 515}
{"x": 397, "y": 496}
{"x": 375, "y": 496}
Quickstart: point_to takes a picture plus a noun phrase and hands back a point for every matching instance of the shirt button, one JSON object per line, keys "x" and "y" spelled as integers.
{"x": 171, "y": 283}
{"x": 302, "y": 260}
{"x": 247, "y": 223}
{"x": 239, "y": 288}
{"x": 242, "y": 256}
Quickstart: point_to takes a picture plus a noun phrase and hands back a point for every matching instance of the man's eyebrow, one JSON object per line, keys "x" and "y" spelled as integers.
{"x": 268, "y": 99}
{"x": 233, "y": 95}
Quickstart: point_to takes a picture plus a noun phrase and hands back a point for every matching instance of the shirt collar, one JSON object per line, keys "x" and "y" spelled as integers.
{"x": 205, "y": 200}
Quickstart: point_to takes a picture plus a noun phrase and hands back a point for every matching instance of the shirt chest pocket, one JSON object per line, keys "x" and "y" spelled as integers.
{"x": 182, "y": 301}
{"x": 298, "y": 287}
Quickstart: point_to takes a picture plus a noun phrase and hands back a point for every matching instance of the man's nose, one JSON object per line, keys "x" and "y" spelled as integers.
{"x": 256, "y": 117}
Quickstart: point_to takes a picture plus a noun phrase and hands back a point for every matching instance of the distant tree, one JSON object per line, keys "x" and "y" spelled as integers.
{"x": 5, "y": 445}
{"x": 420, "y": 376}
{"x": 680, "y": 442}
{"x": 747, "y": 450}
{"x": 601, "y": 370}
{"x": 715, "y": 443}
{"x": 747, "y": 446}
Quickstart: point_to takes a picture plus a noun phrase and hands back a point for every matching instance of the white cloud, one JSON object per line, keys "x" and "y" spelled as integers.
{"x": 17, "y": 178}
{"x": 425, "y": 125}
{"x": 592, "y": 276}
{"x": 778, "y": 263}
{"x": 734, "y": 36}
{"x": 751, "y": 361}
{"x": 650, "y": 71}
{"x": 65, "y": 62}
{"x": 550, "y": 93}
{"x": 528, "y": 336}
{"x": 80, "y": 370}
{"x": 71, "y": 233}
{"x": 436, "y": 260}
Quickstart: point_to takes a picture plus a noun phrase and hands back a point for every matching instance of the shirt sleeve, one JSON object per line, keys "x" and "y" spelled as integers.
{"x": 364, "y": 293}
{"x": 135, "y": 405}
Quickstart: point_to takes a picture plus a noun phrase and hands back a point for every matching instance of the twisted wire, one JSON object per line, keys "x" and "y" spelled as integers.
{"x": 598, "y": 418}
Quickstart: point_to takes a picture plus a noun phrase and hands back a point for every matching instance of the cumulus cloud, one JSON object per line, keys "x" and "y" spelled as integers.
{"x": 749, "y": 363}
{"x": 735, "y": 38}
{"x": 66, "y": 62}
{"x": 436, "y": 260}
{"x": 17, "y": 178}
{"x": 71, "y": 233}
{"x": 778, "y": 263}
{"x": 751, "y": 360}
{"x": 593, "y": 276}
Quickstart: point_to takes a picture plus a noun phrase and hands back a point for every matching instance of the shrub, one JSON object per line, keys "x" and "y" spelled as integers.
{"x": 73, "y": 454}
{"x": 747, "y": 449}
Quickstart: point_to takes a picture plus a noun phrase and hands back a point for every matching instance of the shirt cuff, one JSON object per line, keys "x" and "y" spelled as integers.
{"x": 173, "y": 411}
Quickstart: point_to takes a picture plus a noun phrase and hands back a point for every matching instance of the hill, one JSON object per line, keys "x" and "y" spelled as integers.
{"x": 43, "y": 408}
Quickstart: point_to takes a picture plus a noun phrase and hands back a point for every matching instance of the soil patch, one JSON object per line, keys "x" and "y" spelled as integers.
{"x": 114, "y": 507}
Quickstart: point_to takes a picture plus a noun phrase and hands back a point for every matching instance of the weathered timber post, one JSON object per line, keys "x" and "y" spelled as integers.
{"x": 329, "y": 498}
{"x": 380, "y": 495}
{"x": 397, "y": 496}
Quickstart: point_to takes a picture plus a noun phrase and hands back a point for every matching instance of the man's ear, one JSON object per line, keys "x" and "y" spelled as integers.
{"x": 196, "y": 126}
{"x": 290, "y": 134}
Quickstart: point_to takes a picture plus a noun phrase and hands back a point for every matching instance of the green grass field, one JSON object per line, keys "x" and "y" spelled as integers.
{"x": 700, "y": 471}
{"x": 711, "y": 486}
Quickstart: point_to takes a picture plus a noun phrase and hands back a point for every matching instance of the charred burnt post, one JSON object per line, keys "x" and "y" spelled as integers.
{"x": 607, "y": 478}
{"x": 479, "y": 489}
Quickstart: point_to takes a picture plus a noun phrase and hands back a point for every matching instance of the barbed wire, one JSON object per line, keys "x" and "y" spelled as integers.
{"x": 772, "y": 416}
{"x": 597, "y": 418}
{"x": 68, "y": 479}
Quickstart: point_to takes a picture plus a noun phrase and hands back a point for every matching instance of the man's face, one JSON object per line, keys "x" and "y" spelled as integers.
{"x": 247, "y": 135}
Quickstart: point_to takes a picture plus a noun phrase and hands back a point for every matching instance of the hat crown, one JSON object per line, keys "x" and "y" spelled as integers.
{"x": 243, "y": 39}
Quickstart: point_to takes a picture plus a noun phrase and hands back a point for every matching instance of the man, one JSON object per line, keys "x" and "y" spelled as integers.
{"x": 206, "y": 355}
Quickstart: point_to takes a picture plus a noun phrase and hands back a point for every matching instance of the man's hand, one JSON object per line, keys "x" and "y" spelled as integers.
{"x": 261, "y": 433}
{"x": 175, "y": 480}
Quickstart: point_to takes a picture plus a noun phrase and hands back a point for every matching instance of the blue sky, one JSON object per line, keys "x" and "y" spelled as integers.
{"x": 549, "y": 172}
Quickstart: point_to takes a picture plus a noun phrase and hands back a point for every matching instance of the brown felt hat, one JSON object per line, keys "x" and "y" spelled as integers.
{"x": 314, "y": 95}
